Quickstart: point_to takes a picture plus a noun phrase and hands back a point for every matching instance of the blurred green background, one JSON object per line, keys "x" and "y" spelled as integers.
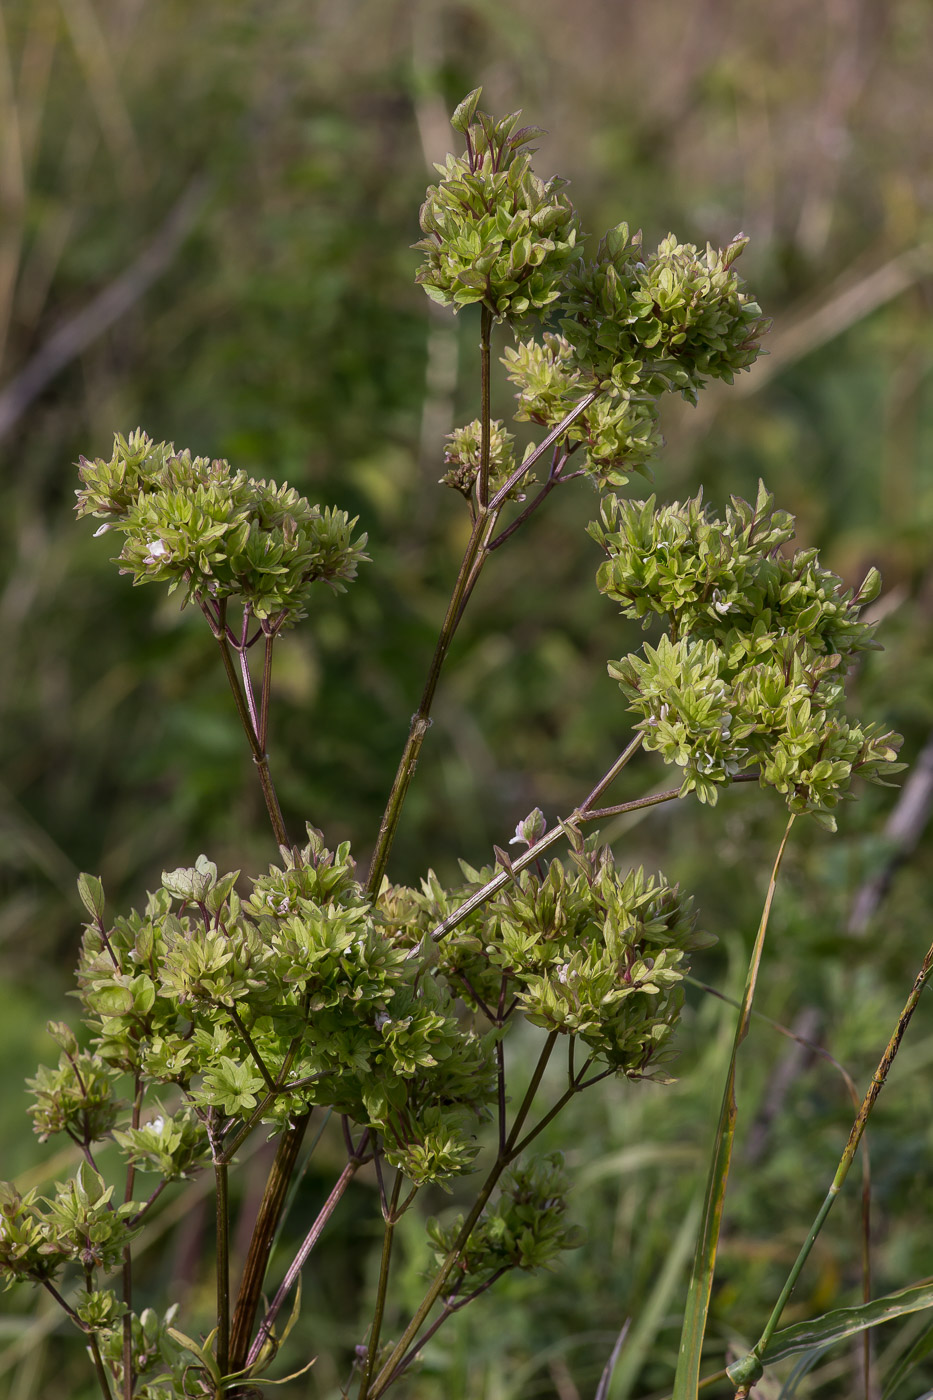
{"x": 205, "y": 220}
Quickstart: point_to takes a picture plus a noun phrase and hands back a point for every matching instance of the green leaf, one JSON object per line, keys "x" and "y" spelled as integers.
{"x": 466, "y": 110}
{"x": 203, "y": 1355}
{"x": 91, "y": 894}
{"x": 833, "y": 1327}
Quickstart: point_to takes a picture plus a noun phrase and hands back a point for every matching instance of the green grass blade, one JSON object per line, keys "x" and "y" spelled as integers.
{"x": 921, "y": 1348}
{"x": 687, "y": 1379}
{"x": 639, "y": 1341}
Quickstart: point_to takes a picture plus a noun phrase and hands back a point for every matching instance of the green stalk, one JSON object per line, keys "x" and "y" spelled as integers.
{"x": 260, "y": 1245}
{"x": 475, "y": 555}
{"x": 750, "y": 1368}
{"x": 260, "y": 758}
{"x": 102, "y": 1378}
{"x": 382, "y": 1288}
{"x": 129, "y": 1380}
{"x": 386, "y": 1375}
{"x": 485, "y": 415}
{"x": 223, "y": 1268}
{"x": 687, "y": 1378}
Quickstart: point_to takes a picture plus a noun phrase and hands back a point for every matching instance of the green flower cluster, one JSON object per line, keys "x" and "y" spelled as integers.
{"x": 294, "y": 997}
{"x": 524, "y": 1229}
{"x": 592, "y": 953}
{"x": 463, "y": 459}
{"x": 751, "y": 677}
{"x": 495, "y": 233}
{"x": 79, "y": 1224}
{"x": 672, "y": 320}
{"x": 195, "y": 523}
{"x": 619, "y": 431}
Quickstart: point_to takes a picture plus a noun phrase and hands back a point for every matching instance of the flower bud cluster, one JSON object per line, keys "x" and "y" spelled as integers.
{"x": 751, "y": 675}
{"x": 495, "y": 233}
{"x": 524, "y": 1229}
{"x": 196, "y": 524}
{"x": 462, "y": 456}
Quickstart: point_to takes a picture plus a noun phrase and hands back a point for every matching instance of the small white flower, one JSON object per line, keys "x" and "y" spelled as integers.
{"x": 383, "y": 1019}
{"x": 102, "y": 529}
{"x": 562, "y": 973}
{"x": 157, "y": 550}
{"x": 720, "y": 604}
{"x": 157, "y": 1124}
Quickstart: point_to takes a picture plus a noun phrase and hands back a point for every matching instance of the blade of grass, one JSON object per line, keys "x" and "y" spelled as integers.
{"x": 746, "y": 1371}
{"x": 687, "y": 1378}
{"x": 651, "y": 1318}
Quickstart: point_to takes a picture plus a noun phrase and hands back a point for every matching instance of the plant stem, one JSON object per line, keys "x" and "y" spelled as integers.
{"x": 129, "y": 1379}
{"x": 310, "y": 1240}
{"x": 260, "y": 757}
{"x": 845, "y": 1162}
{"x": 386, "y": 1375}
{"x": 102, "y": 1377}
{"x": 382, "y": 1288}
{"x": 223, "y": 1267}
{"x": 475, "y": 555}
{"x": 257, "y": 1059}
{"x": 421, "y": 721}
{"x": 554, "y": 479}
{"x": 260, "y": 1245}
{"x": 578, "y": 816}
{"x": 266, "y": 690}
{"x": 449, "y": 1309}
{"x": 544, "y": 446}
{"x": 485, "y": 415}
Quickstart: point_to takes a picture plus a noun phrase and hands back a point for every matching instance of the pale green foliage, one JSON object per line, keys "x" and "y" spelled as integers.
{"x": 676, "y": 316}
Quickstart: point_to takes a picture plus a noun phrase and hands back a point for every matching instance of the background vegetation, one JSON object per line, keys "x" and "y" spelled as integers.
{"x": 205, "y": 215}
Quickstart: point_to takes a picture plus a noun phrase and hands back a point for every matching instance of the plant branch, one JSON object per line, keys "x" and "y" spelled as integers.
{"x": 129, "y": 1379}
{"x": 260, "y": 758}
{"x": 554, "y": 479}
{"x": 386, "y": 1375}
{"x": 260, "y": 1245}
{"x": 223, "y": 1267}
{"x": 544, "y": 446}
{"x": 382, "y": 1287}
{"x": 578, "y": 816}
{"x": 473, "y": 559}
{"x": 257, "y": 1059}
{"x": 485, "y": 415}
{"x": 310, "y": 1240}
